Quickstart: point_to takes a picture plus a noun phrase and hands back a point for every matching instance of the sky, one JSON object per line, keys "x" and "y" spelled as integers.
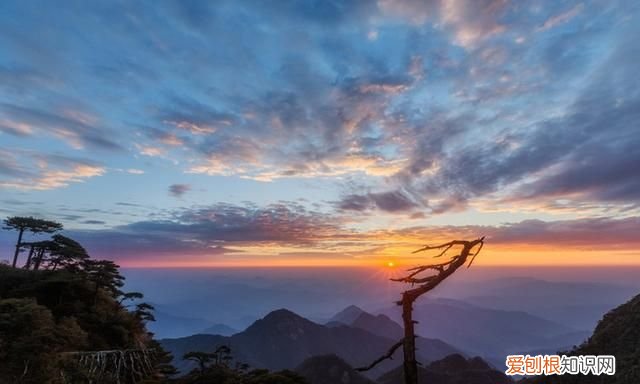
{"x": 289, "y": 133}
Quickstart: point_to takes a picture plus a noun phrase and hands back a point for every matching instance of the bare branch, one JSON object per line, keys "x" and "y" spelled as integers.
{"x": 476, "y": 254}
{"x": 445, "y": 245}
{"x": 388, "y": 355}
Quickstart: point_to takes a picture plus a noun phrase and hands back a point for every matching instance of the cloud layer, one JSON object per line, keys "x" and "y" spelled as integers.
{"x": 208, "y": 233}
{"x": 369, "y": 114}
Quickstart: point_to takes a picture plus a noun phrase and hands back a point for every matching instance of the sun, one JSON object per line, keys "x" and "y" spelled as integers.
{"x": 391, "y": 264}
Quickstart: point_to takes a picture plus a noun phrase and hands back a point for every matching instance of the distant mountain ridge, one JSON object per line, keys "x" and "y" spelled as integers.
{"x": 578, "y": 304}
{"x": 283, "y": 340}
{"x": 347, "y": 315}
{"x": 430, "y": 348}
{"x": 380, "y": 325}
{"x": 453, "y": 369}
{"x": 488, "y": 332}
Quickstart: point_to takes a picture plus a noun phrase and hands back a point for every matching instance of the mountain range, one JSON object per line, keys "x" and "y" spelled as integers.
{"x": 283, "y": 340}
{"x": 488, "y": 332}
{"x": 430, "y": 348}
{"x": 577, "y": 304}
{"x": 327, "y": 353}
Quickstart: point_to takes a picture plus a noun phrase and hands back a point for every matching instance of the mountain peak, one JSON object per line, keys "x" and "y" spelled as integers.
{"x": 380, "y": 325}
{"x": 282, "y": 313}
{"x": 348, "y": 315}
{"x": 283, "y": 322}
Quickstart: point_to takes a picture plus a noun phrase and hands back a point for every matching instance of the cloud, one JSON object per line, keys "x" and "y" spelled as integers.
{"x": 586, "y": 154}
{"x": 593, "y": 233}
{"x": 178, "y": 190}
{"x": 470, "y": 21}
{"x": 15, "y": 128}
{"x": 212, "y": 229}
{"x": 562, "y": 18}
{"x": 151, "y": 151}
{"x": 94, "y": 222}
{"x": 416, "y": 11}
{"x": 391, "y": 201}
{"x": 442, "y": 110}
{"x": 473, "y": 20}
{"x": 74, "y": 127}
{"x": 288, "y": 228}
{"x": 195, "y": 118}
{"x": 35, "y": 171}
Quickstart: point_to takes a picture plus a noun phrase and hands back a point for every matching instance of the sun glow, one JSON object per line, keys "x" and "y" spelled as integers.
{"x": 391, "y": 264}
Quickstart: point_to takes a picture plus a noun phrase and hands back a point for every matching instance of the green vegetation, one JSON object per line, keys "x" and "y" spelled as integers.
{"x": 64, "y": 319}
{"x": 61, "y": 305}
{"x": 29, "y": 224}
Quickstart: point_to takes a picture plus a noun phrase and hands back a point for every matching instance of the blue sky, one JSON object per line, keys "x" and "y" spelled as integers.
{"x": 266, "y": 129}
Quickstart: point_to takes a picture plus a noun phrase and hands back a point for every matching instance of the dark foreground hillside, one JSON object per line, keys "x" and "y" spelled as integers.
{"x": 50, "y": 317}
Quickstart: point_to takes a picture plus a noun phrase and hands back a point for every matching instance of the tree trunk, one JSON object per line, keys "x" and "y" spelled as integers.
{"x": 27, "y": 265}
{"x": 409, "y": 347}
{"x": 18, "y": 244}
{"x": 39, "y": 257}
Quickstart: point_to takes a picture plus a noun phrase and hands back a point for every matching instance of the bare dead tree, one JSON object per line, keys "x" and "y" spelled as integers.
{"x": 468, "y": 249}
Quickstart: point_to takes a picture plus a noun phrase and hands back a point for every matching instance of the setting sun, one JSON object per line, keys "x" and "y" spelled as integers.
{"x": 391, "y": 264}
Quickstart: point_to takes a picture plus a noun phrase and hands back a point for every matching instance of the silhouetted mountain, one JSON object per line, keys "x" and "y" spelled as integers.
{"x": 453, "y": 369}
{"x": 330, "y": 369}
{"x": 219, "y": 329}
{"x": 487, "y": 332}
{"x": 380, "y": 325}
{"x": 347, "y": 315}
{"x": 282, "y": 339}
{"x": 617, "y": 334}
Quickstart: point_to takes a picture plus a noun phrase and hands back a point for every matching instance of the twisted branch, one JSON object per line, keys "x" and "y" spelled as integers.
{"x": 388, "y": 355}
